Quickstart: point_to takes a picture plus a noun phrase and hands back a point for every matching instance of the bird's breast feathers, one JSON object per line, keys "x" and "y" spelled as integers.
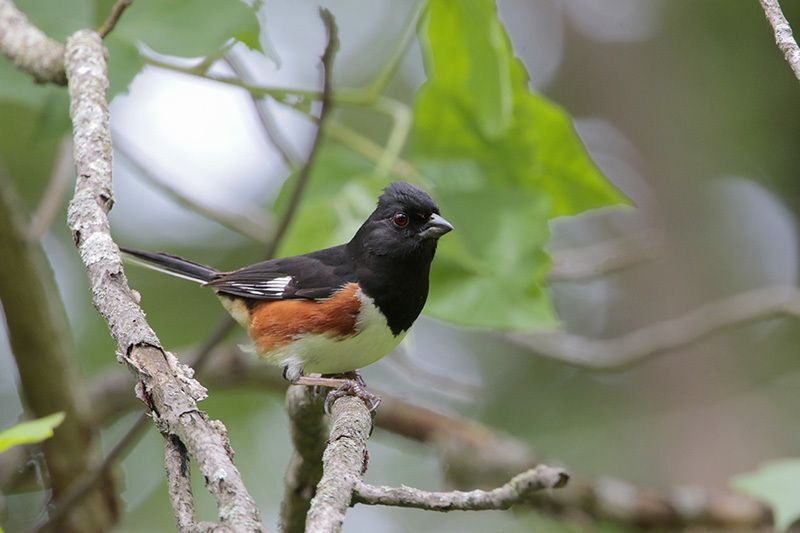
{"x": 344, "y": 332}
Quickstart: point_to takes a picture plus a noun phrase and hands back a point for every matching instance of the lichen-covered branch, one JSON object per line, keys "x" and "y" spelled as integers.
{"x": 309, "y": 432}
{"x": 42, "y": 348}
{"x": 517, "y": 491}
{"x": 783, "y": 34}
{"x": 179, "y": 483}
{"x": 164, "y": 384}
{"x": 343, "y": 463}
{"x": 31, "y": 50}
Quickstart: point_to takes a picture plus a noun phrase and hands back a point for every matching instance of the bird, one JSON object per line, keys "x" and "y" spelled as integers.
{"x": 325, "y": 314}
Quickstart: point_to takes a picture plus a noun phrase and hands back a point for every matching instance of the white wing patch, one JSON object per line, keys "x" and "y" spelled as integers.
{"x": 272, "y": 288}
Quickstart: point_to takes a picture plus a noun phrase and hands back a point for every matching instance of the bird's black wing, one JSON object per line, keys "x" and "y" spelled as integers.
{"x": 312, "y": 276}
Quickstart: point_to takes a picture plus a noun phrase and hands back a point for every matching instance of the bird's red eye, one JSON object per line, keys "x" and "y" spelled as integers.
{"x": 400, "y": 220}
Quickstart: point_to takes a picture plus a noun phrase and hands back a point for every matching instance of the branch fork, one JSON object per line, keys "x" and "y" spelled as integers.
{"x": 167, "y": 386}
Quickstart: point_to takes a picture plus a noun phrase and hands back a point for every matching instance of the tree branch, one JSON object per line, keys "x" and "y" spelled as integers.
{"x": 165, "y": 385}
{"x": 42, "y": 347}
{"x": 53, "y": 198}
{"x": 517, "y": 491}
{"x": 84, "y": 485}
{"x": 473, "y": 455}
{"x": 325, "y": 107}
{"x": 580, "y": 263}
{"x": 343, "y": 463}
{"x": 255, "y": 227}
{"x": 117, "y": 9}
{"x": 308, "y": 430}
{"x": 783, "y": 34}
{"x": 281, "y": 144}
{"x": 30, "y": 49}
{"x": 757, "y": 304}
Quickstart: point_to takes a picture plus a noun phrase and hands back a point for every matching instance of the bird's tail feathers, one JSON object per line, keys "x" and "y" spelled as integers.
{"x": 172, "y": 265}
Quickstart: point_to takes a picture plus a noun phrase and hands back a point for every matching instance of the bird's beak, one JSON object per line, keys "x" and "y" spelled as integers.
{"x": 435, "y": 227}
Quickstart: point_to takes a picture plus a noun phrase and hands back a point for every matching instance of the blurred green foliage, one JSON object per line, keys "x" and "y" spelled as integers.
{"x": 777, "y": 483}
{"x": 706, "y": 95}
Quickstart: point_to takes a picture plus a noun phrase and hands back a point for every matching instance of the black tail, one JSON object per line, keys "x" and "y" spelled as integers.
{"x": 172, "y": 265}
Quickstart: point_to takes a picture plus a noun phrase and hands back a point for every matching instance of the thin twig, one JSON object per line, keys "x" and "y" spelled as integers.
{"x": 271, "y": 130}
{"x": 368, "y": 148}
{"x": 85, "y": 484}
{"x": 390, "y": 66}
{"x": 517, "y": 491}
{"x": 165, "y": 385}
{"x": 343, "y": 463}
{"x": 29, "y": 48}
{"x": 117, "y": 9}
{"x": 258, "y": 230}
{"x": 309, "y": 430}
{"x": 783, "y": 34}
{"x": 328, "y": 56}
{"x": 435, "y": 381}
{"x": 402, "y": 120}
{"x": 201, "y": 357}
{"x": 387, "y": 158}
{"x": 53, "y": 197}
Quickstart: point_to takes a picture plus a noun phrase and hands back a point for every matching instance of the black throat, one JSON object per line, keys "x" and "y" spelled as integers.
{"x": 398, "y": 285}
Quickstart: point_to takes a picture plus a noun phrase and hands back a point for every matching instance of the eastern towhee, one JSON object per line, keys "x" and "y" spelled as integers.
{"x": 335, "y": 310}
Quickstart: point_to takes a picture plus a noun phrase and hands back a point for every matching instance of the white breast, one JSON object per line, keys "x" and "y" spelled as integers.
{"x": 324, "y": 354}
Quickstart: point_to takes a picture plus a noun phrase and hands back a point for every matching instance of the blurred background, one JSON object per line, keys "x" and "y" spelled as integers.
{"x": 687, "y": 107}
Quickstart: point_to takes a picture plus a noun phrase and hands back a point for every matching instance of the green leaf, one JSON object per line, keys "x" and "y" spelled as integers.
{"x": 537, "y": 149}
{"x": 778, "y": 484}
{"x": 29, "y": 432}
{"x": 470, "y": 54}
{"x": 340, "y": 194}
{"x": 489, "y": 272}
{"x": 504, "y": 160}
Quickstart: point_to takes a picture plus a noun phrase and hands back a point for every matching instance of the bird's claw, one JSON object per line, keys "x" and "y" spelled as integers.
{"x": 353, "y": 387}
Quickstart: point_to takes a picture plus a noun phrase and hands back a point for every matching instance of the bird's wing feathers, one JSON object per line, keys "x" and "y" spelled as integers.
{"x": 313, "y": 276}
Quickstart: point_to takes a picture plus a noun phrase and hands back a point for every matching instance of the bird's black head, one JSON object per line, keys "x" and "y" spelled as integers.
{"x": 405, "y": 225}
{"x": 393, "y": 251}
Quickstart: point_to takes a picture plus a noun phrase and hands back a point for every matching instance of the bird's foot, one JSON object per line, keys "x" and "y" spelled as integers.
{"x": 354, "y": 376}
{"x": 346, "y": 384}
{"x": 353, "y": 387}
